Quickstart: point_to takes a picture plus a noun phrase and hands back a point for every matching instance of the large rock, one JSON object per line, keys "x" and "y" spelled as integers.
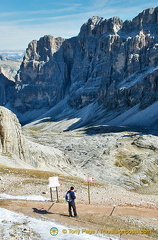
{"x": 10, "y": 134}
{"x": 17, "y": 151}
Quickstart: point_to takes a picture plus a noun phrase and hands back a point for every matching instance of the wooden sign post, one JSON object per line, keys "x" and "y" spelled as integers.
{"x": 88, "y": 180}
{"x": 89, "y": 198}
{"x": 51, "y": 195}
{"x": 57, "y": 194}
{"x": 54, "y": 183}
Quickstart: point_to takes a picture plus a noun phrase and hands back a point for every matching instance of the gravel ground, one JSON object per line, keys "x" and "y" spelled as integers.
{"x": 132, "y": 209}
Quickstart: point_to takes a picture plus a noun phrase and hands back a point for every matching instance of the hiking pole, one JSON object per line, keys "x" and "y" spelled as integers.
{"x": 51, "y": 206}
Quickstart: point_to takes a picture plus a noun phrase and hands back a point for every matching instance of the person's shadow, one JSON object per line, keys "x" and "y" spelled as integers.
{"x": 41, "y": 211}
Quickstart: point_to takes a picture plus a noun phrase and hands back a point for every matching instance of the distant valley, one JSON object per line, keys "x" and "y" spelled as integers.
{"x": 90, "y": 102}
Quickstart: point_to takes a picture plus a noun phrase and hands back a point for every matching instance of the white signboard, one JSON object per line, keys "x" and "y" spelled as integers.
{"x": 89, "y": 179}
{"x": 53, "y": 182}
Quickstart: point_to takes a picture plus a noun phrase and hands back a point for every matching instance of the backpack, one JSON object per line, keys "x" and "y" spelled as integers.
{"x": 68, "y": 197}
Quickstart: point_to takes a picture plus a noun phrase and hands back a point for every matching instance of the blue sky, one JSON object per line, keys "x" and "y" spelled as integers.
{"x": 24, "y": 20}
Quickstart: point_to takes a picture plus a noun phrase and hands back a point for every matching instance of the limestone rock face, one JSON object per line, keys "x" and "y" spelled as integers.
{"x": 7, "y": 84}
{"x": 111, "y": 63}
{"x": 98, "y": 26}
{"x": 37, "y": 80}
{"x": 20, "y": 152}
{"x": 10, "y": 133}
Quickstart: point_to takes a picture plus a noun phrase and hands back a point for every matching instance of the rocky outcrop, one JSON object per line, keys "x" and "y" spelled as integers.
{"x": 7, "y": 84}
{"x": 16, "y": 150}
{"x": 10, "y": 134}
{"x": 39, "y": 79}
{"x": 111, "y": 63}
{"x": 8, "y": 70}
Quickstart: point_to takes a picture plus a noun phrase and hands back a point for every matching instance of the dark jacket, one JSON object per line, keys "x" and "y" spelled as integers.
{"x": 72, "y": 195}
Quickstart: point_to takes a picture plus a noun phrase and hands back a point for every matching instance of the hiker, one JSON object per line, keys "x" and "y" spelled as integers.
{"x": 70, "y": 198}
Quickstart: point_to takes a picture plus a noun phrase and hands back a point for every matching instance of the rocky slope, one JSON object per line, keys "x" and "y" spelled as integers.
{"x": 111, "y": 66}
{"x": 110, "y": 155}
{"x": 17, "y": 151}
{"x": 11, "y": 66}
{"x": 113, "y": 155}
{"x": 104, "y": 77}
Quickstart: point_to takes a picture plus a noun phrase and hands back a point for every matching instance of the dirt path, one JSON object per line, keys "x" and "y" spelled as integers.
{"x": 134, "y": 211}
{"x": 90, "y": 216}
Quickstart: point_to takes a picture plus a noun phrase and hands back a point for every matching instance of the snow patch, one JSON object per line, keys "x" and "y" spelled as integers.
{"x": 136, "y": 77}
{"x": 42, "y": 228}
{"x": 24, "y": 197}
{"x": 134, "y": 116}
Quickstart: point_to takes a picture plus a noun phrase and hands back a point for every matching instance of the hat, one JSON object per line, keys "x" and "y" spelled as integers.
{"x": 71, "y": 188}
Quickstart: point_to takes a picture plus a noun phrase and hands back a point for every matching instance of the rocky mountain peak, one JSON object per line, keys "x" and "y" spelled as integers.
{"x": 43, "y": 49}
{"x": 148, "y": 16}
{"x": 89, "y": 26}
{"x": 110, "y": 63}
{"x": 93, "y": 22}
{"x": 37, "y": 55}
{"x": 115, "y": 24}
{"x": 98, "y": 25}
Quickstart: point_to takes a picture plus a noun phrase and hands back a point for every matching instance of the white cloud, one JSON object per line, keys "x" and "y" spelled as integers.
{"x": 19, "y": 32}
{"x": 37, "y": 12}
{"x": 15, "y": 37}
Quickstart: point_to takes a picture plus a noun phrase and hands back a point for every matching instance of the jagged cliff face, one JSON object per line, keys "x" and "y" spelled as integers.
{"x": 17, "y": 151}
{"x": 39, "y": 76}
{"x": 111, "y": 62}
{"x": 11, "y": 140}
{"x": 7, "y": 84}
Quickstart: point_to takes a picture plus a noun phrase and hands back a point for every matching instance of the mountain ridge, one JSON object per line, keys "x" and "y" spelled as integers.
{"x": 89, "y": 104}
{"x": 111, "y": 65}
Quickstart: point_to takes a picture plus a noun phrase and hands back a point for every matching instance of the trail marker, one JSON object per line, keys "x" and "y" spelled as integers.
{"x": 54, "y": 183}
{"x": 88, "y": 180}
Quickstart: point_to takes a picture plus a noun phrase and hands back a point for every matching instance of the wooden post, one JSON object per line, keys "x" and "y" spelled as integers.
{"x": 57, "y": 194}
{"x": 51, "y": 194}
{"x": 89, "y": 200}
{"x": 88, "y": 180}
{"x": 112, "y": 210}
{"x": 51, "y": 206}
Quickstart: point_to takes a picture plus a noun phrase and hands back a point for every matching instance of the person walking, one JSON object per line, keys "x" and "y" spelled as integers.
{"x": 70, "y": 198}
